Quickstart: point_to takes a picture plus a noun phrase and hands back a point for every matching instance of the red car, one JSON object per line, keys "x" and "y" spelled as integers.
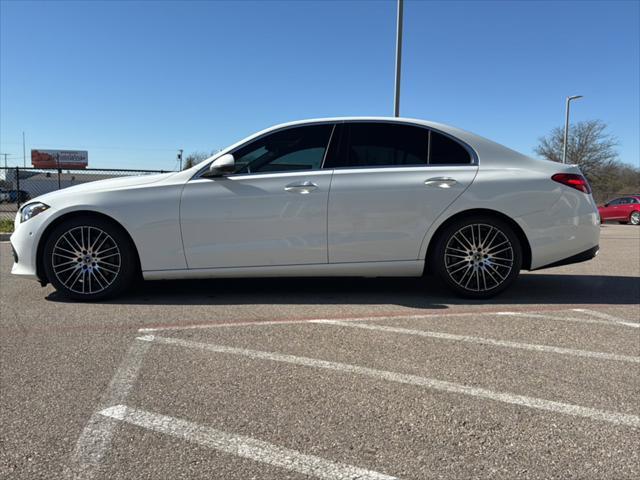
{"x": 623, "y": 210}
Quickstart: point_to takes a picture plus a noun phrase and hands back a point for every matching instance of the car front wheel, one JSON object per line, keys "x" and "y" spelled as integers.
{"x": 478, "y": 257}
{"x": 88, "y": 259}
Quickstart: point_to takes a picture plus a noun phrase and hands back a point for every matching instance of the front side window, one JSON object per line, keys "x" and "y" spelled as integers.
{"x": 616, "y": 201}
{"x": 293, "y": 149}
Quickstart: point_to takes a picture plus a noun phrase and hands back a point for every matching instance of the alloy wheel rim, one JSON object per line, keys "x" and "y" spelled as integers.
{"x": 479, "y": 257}
{"x": 86, "y": 260}
{"x": 635, "y": 218}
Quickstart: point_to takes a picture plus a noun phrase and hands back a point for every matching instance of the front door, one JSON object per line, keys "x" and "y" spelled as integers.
{"x": 613, "y": 210}
{"x": 271, "y": 211}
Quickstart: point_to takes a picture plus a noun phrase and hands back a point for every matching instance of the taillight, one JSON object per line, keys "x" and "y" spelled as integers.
{"x": 573, "y": 180}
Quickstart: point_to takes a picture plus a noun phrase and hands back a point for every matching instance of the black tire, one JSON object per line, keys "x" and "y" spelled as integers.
{"x": 92, "y": 270}
{"x": 486, "y": 272}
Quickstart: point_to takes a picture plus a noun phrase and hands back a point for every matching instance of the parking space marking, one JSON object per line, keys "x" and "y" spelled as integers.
{"x": 242, "y": 446}
{"x": 96, "y": 436}
{"x": 606, "y": 316}
{"x": 434, "y": 384}
{"x": 201, "y": 326}
{"x": 485, "y": 341}
{"x": 371, "y": 318}
{"x": 567, "y": 319}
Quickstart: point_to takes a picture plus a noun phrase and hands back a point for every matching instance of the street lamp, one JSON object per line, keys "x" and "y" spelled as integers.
{"x": 396, "y": 99}
{"x": 566, "y": 127}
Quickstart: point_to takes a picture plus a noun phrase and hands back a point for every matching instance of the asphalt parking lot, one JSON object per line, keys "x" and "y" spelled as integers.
{"x": 328, "y": 378}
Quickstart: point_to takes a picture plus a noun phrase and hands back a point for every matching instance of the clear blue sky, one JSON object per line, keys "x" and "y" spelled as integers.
{"x": 134, "y": 81}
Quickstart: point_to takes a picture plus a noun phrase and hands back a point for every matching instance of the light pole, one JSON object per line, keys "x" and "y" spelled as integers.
{"x": 566, "y": 127}
{"x": 396, "y": 100}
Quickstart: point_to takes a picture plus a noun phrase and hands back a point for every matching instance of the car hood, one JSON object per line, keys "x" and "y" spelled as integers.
{"x": 103, "y": 185}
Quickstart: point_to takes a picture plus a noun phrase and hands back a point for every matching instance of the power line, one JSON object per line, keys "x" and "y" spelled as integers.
{"x": 101, "y": 147}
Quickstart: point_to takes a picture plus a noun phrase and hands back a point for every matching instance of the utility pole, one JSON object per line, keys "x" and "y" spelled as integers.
{"x": 5, "y": 160}
{"x": 24, "y": 152}
{"x": 566, "y": 127}
{"x": 180, "y": 158}
{"x": 396, "y": 100}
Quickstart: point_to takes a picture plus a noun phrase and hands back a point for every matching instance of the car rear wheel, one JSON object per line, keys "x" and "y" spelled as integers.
{"x": 478, "y": 257}
{"x": 89, "y": 259}
{"x": 634, "y": 218}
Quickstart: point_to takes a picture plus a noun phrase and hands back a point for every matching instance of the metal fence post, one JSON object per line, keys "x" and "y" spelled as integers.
{"x": 18, "y": 187}
{"x": 59, "y": 174}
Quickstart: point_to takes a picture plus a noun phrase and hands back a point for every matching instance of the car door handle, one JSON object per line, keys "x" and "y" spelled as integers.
{"x": 440, "y": 182}
{"x": 302, "y": 188}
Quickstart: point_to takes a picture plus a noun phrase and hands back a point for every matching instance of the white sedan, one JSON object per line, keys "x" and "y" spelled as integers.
{"x": 367, "y": 197}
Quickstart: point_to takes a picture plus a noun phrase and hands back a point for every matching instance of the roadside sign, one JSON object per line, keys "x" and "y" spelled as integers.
{"x": 59, "y": 158}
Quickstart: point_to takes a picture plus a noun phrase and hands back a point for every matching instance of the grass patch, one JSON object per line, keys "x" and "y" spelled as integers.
{"x": 6, "y": 225}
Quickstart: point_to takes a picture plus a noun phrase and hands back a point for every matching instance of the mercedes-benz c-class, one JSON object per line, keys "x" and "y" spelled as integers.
{"x": 362, "y": 197}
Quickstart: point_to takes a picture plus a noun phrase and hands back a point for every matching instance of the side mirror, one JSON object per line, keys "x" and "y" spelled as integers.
{"x": 222, "y": 166}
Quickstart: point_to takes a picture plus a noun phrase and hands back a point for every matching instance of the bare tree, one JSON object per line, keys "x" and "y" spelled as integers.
{"x": 594, "y": 151}
{"x": 589, "y": 146}
{"x": 194, "y": 158}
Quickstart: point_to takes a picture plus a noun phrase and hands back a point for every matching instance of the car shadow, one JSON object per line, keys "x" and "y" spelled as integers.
{"x": 418, "y": 293}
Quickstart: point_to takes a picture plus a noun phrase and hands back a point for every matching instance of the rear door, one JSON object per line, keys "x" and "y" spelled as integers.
{"x": 390, "y": 182}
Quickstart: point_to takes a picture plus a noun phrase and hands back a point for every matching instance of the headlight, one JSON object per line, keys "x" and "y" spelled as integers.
{"x": 30, "y": 210}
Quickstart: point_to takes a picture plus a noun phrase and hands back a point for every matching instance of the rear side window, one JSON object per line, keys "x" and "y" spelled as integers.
{"x": 381, "y": 145}
{"x": 371, "y": 144}
{"x": 446, "y": 151}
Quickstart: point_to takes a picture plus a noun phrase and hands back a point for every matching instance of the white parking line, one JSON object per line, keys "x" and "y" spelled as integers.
{"x": 242, "y": 446}
{"x": 200, "y": 326}
{"x": 96, "y": 437}
{"x": 566, "y": 319}
{"x": 440, "y": 385}
{"x": 302, "y": 321}
{"x": 486, "y": 341}
{"x": 219, "y": 325}
{"x": 606, "y": 316}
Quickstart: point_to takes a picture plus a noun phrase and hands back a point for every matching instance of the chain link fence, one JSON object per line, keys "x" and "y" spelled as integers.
{"x": 19, "y": 184}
